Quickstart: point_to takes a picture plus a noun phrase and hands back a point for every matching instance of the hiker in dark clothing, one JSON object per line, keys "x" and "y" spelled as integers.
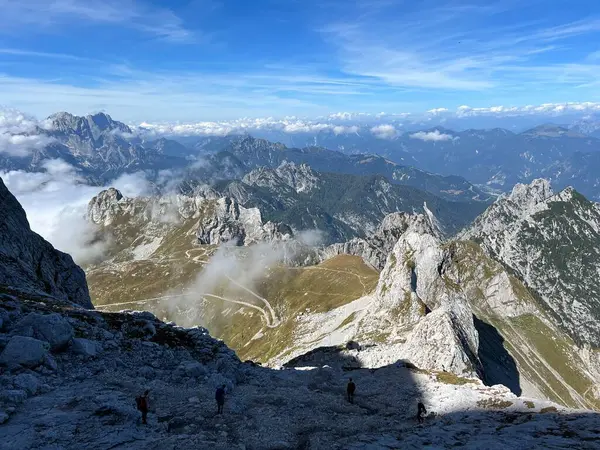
{"x": 350, "y": 390}
{"x": 142, "y": 405}
{"x": 220, "y": 398}
{"x": 420, "y": 412}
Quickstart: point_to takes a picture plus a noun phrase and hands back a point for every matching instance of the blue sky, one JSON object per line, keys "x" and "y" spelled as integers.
{"x": 220, "y": 60}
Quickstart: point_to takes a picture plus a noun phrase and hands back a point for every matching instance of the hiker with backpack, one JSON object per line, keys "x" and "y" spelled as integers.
{"x": 142, "y": 405}
{"x": 220, "y": 398}
{"x": 421, "y": 411}
{"x": 350, "y": 390}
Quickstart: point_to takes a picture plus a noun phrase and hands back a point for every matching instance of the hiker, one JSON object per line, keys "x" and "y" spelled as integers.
{"x": 142, "y": 405}
{"x": 350, "y": 390}
{"x": 420, "y": 412}
{"x": 220, "y": 398}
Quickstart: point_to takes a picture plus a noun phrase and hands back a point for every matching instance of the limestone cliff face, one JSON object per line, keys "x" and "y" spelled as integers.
{"x": 449, "y": 306}
{"x": 375, "y": 248}
{"x": 552, "y": 242}
{"x": 29, "y": 263}
{"x": 216, "y": 219}
{"x": 244, "y": 226}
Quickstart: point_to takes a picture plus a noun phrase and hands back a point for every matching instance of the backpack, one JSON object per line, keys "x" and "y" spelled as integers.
{"x": 141, "y": 402}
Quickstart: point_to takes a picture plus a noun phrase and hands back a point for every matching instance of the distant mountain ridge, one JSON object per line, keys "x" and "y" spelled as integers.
{"x": 254, "y": 153}
{"x": 496, "y": 157}
{"x": 102, "y": 148}
{"x": 342, "y": 205}
{"x": 99, "y": 147}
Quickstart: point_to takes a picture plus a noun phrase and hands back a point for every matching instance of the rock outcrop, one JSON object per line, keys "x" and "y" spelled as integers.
{"x": 104, "y": 207}
{"x": 214, "y": 219}
{"x": 298, "y": 177}
{"x": 446, "y": 305}
{"x": 375, "y": 248}
{"x": 552, "y": 242}
{"x": 94, "y": 393}
{"x": 230, "y": 222}
{"x": 30, "y": 263}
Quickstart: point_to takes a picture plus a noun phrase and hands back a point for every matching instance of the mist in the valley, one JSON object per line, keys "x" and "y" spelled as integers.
{"x": 231, "y": 279}
{"x": 56, "y": 200}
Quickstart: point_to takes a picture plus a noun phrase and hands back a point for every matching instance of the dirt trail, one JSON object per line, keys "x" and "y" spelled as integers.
{"x": 269, "y": 321}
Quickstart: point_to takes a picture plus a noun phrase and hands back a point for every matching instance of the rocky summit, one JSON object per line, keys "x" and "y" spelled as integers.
{"x": 552, "y": 242}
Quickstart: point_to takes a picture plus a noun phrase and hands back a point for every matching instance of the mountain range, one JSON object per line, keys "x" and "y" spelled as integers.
{"x": 102, "y": 149}
{"x": 341, "y": 205}
{"x": 497, "y": 158}
{"x": 71, "y": 376}
{"x": 490, "y": 159}
{"x": 497, "y": 301}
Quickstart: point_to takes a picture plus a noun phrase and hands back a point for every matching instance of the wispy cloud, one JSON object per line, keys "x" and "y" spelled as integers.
{"x": 18, "y": 134}
{"x": 22, "y": 52}
{"x": 444, "y": 49}
{"x": 49, "y": 14}
{"x": 56, "y": 200}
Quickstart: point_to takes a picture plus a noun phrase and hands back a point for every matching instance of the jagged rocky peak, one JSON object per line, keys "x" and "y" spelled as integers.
{"x": 248, "y": 144}
{"x": 231, "y": 222}
{"x": 103, "y": 208}
{"x": 31, "y": 264}
{"x": 528, "y": 195}
{"x": 104, "y": 122}
{"x": 299, "y": 177}
{"x": 375, "y": 248}
{"x": 98, "y": 123}
{"x": 217, "y": 218}
{"x": 548, "y": 242}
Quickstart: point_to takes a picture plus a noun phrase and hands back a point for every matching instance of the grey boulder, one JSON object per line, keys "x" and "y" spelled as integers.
{"x": 28, "y": 382}
{"x": 25, "y": 351}
{"x": 52, "y": 328}
{"x": 86, "y": 347}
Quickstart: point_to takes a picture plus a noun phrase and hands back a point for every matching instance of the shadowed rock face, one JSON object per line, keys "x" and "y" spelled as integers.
{"x": 29, "y": 263}
{"x": 91, "y": 386}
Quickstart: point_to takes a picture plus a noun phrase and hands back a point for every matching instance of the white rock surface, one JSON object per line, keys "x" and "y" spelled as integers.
{"x": 90, "y": 403}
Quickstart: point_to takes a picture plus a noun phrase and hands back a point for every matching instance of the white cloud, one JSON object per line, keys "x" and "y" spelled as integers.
{"x": 242, "y": 126}
{"x": 384, "y": 131}
{"x": 434, "y": 136}
{"x": 18, "y": 134}
{"x": 436, "y": 111}
{"x": 543, "y": 109}
{"x": 16, "y": 122}
{"x": 338, "y": 129}
{"x": 56, "y": 204}
{"x": 21, "y": 145}
{"x": 132, "y": 184}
